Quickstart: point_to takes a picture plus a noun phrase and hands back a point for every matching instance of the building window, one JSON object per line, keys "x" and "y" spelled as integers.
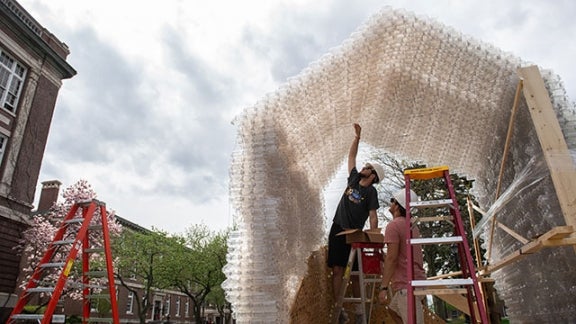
{"x": 12, "y": 75}
{"x": 178, "y": 306}
{"x": 187, "y": 308}
{"x": 130, "y": 303}
{"x": 3, "y": 143}
{"x": 167, "y": 306}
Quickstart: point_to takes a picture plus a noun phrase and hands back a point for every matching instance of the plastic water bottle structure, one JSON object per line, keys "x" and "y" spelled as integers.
{"x": 420, "y": 90}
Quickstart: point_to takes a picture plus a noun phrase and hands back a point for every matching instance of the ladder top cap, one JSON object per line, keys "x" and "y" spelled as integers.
{"x": 426, "y": 173}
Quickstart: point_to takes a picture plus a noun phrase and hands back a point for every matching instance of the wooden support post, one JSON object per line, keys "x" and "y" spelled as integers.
{"x": 503, "y": 162}
{"x": 558, "y": 158}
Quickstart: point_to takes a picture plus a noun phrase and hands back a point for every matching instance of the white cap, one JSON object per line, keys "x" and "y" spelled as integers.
{"x": 400, "y": 197}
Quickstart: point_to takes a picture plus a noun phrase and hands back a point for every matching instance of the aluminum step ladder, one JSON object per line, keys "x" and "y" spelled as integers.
{"x": 72, "y": 236}
{"x": 369, "y": 256}
{"x": 467, "y": 283}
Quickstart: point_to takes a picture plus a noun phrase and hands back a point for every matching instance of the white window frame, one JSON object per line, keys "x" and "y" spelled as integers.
{"x": 167, "y": 306}
{"x": 187, "y": 309}
{"x": 3, "y": 144}
{"x": 12, "y": 76}
{"x": 177, "y": 306}
{"x": 130, "y": 303}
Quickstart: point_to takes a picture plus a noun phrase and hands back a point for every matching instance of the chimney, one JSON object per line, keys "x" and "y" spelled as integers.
{"x": 49, "y": 195}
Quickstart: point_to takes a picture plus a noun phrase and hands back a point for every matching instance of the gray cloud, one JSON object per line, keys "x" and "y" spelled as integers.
{"x": 296, "y": 38}
{"x": 118, "y": 114}
{"x": 108, "y": 111}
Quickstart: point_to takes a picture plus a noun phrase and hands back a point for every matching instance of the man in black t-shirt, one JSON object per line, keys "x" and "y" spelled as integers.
{"x": 358, "y": 203}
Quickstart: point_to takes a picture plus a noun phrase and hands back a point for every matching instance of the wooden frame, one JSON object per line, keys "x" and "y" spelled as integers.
{"x": 558, "y": 160}
{"x": 554, "y": 146}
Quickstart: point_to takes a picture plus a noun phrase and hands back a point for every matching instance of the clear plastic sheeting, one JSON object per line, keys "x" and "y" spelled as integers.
{"x": 421, "y": 91}
{"x": 535, "y": 171}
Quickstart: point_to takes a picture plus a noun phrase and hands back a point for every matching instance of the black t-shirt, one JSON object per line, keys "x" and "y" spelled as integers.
{"x": 356, "y": 202}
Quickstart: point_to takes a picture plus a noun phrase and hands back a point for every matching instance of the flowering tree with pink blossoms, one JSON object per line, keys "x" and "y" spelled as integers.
{"x": 43, "y": 228}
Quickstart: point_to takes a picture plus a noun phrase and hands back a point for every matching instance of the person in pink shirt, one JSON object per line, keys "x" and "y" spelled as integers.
{"x": 393, "y": 290}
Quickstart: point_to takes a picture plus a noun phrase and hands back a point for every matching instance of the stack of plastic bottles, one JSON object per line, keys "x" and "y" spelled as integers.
{"x": 423, "y": 92}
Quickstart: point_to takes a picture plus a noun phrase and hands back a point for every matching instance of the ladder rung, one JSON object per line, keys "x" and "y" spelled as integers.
{"x": 431, "y": 203}
{"x": 95, "y": 274}
{"x": 95, "y": 227}
{"x": 52, "y": 265}
{"x": 76, "y": 220}
{"x": 64, "y": 242}
{"x": 432, "y": 219}
{"x": 98, "y": 296}
{"x": 94, "y": 250}
{"x": 27, "y": 316}
{"x": 87, "y": 202}
{"x": 95, "y": 319}
{"x": 442, "y": 282}
{"x": 436, "y": 240}
{"x": 95, "y": 286}
{"x": 445, "y": 291}
{"x": 40, "y": 289}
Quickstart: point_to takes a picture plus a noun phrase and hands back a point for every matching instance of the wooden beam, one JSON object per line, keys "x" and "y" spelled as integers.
{"x": 503, "y": 162}
{"x": 558, "y": 158}
{"x": 446, "y": 275}
{"x": 458, "y": 301}
{"x": 557, "y": 236}
{"x": 432, "y": 219}
{"x": 475, "y": 241}
{"x": 441, "y": 291}
{"x": 512, "y": 233}
{"x": 502, "y": 226}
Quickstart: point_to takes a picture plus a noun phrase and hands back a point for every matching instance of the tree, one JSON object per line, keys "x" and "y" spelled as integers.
{"x": 196, "y": 269}
{"x": 37, "y": 237}
{"x": 141, "y": 257}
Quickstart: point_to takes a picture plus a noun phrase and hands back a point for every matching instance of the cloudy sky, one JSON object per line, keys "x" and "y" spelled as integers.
{"x": 147, "y": 119}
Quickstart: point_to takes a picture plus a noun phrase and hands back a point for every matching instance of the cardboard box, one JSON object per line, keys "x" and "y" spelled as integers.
{"x": 367, "y": 236}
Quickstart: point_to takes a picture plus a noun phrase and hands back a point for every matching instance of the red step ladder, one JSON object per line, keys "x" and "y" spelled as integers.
{"x": 369, "y": 256}
{"x": 73, "y": 235}
{"x": 466, "y": 283}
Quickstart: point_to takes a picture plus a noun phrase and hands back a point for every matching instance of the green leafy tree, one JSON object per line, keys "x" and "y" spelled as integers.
{"x": 196, "y": 268}
{"x": 141, "y": 258}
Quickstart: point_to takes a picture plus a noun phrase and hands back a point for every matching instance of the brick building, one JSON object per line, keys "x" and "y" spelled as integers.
{"x": 32, "y": 67}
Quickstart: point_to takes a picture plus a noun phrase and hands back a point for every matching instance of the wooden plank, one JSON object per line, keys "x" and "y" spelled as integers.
{"x": 478, "y": 209}
{"x": 475, "y": 241}
{"x": 554, "y": 237}
{"x": 438, "y": 292}
{"x": 503, "y": 163}
{"x": 453, "y": 296}
{"x": 512, "y": 233}
{"x": 558, "y": 158}
{"x": 433, "y": 219}
{"x": 458, "y": 301}
{"x": 560, "y": 242}
{"x": 446, "y": 275}
{"x": 557, "y": 232}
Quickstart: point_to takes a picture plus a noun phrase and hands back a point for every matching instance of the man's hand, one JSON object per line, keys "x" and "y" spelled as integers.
{"x": 383, "y": 297}
{"x": 357, "y": 129}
